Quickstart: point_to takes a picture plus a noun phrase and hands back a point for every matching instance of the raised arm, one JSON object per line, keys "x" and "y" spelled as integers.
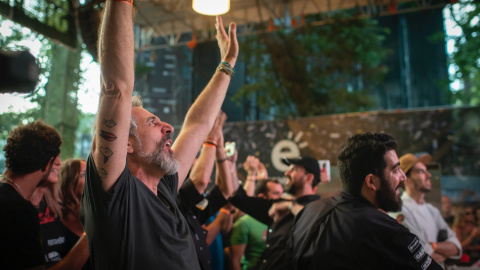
{"x": 223, "y": 175}
{"x": 202, "y": 113}
{"x": 251, "y": 167}
{"x": 109, "y": 146}
{"x": 202, "y": 171}
{"x": 75, "y": 258}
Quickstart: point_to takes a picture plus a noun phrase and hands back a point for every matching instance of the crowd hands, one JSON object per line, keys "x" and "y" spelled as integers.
{"x": 145, "y": 202}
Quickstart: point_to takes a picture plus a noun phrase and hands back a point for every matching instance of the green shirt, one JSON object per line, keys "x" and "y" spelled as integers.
{"x": 250, "y": 231}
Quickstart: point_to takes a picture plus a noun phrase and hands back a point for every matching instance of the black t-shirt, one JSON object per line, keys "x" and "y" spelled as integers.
{"x": 188, "y": 198}
{"x": 346, "y": 232}
{"x": 275, "y": 255}
{"x": 53, "y": 234}
{"x": 131, "y": 228}
{"x": 20, "y": 245}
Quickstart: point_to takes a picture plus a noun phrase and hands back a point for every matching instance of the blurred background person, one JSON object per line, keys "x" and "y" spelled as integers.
{"x": 72, "y": 179}
{"x": 467, "y": 233}
{"x": 248, "y": 234}
{"x": 447, "y": 210}
{"x": 59, "y": 252}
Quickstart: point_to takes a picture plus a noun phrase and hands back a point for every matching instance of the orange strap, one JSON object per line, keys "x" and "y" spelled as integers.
{"x": 225, "y": 211}
{"x": 125, "y": 1}
{"x": 434, "y": 245}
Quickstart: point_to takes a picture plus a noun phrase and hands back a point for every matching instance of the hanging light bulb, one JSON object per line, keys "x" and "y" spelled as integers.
{"x": 211, "y": 7}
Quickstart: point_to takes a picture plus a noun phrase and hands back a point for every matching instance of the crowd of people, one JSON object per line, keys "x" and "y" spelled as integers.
{"x": 140, "y": 201}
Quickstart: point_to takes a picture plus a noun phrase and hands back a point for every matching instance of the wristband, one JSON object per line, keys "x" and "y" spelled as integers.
{"x": 130, "y": 2}
{"x": 225, "y": 211}
{"x": 221, "y": 160}
{"x": 84, "y": 234}
{"x": 209, "y": 144}
{"x": 434, "y": 245}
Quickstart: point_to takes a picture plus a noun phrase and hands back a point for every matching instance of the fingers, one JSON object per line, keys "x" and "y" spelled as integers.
{"x": 220, "y": 29}
{"x": 223, "y": 118}
{"x": 232, "y": 33}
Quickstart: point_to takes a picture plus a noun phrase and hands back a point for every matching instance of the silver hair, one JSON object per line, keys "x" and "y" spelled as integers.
{"x": 136, "y": 102}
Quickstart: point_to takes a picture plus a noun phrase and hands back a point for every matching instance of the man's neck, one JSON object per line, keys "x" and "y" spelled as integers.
{"x": 416, "y": 195}
{"x": 150, "y": 178}
{"x": 25, "y": 184}
{"x": 304, "y": 192}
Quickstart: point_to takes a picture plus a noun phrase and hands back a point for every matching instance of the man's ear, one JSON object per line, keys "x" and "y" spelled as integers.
{"x": 130, "y": 145}
{"x": 309, "y": 178}
{"x": 372, "y": 182}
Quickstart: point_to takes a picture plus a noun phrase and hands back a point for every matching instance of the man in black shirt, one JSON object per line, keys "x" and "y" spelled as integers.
{"x": 352, "y": 230}
{"x": 196, "y": 205}
{"x": 303, "y": 176}
{"x": 30, "y": 152}
{"x": 129, "y": 208}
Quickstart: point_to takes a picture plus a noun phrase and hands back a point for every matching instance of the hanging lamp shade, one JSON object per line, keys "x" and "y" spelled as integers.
{"x": 211, "y": 7}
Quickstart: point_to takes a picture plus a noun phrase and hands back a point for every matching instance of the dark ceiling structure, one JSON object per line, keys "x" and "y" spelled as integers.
{"x": 61, "y": 20}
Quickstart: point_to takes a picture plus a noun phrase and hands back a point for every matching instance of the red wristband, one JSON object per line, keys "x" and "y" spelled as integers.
{"x": 125, "y": 1}
{"x": 209, "y": 144}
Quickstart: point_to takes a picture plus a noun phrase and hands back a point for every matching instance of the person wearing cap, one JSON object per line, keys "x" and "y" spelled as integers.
{"x": 352, "y": 230}
{"x": 422, "y": 218}
{"x": 303, "y": 176}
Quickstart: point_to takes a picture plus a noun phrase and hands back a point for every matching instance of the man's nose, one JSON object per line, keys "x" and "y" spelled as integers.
{"x": 167, "y": 128}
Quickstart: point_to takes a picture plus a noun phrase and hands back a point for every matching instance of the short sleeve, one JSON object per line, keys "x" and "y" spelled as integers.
{"x": 239, "y": 232}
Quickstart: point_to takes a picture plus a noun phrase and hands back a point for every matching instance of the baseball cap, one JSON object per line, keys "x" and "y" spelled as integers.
{"x": 408, "y": 160}
{"x": 310, "y": 164}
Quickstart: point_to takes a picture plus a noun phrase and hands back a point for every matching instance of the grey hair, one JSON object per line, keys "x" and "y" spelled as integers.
{"x": 136, "y": 102}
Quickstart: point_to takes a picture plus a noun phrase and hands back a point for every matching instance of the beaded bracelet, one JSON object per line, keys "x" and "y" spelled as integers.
{"x": 226, "y": 68}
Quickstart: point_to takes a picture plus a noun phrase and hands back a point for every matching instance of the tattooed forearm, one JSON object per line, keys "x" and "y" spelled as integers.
{"x": 102, "y": 173}
{"x": 109, "y": 123}
{"x": 107, "y": 135}
{"x": 106, "y": 152}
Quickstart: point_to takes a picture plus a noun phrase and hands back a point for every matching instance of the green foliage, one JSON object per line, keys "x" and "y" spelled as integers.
{"x": 9, "y": 120}
{"x": 315, "y": 70}
{"x": 466, "y": 56}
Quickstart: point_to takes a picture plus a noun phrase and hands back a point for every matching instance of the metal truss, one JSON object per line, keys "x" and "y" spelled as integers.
{"x": 174, "y": 21}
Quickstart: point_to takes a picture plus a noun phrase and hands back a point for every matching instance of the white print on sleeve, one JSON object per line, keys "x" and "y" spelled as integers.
{"x": 427, "y": 262}
{"x": 419, "y": 255}
{"x": 413, "y": 245}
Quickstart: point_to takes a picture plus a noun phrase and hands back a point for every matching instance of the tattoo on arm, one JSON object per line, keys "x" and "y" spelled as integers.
{"x": 102, "y": 173}
{"x": 106, "y": 152}
{"x": 109, "y": 123}
{"x": 108, "y": 135}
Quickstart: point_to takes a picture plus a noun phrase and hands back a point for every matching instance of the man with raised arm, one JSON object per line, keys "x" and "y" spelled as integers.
{"x": 128, "y": 206}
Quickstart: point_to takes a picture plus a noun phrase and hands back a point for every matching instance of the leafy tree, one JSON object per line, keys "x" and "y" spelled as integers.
{"x": 315, "y": 70}
{"x": 466, "y": 56}
{"x": 56, "y": 94}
